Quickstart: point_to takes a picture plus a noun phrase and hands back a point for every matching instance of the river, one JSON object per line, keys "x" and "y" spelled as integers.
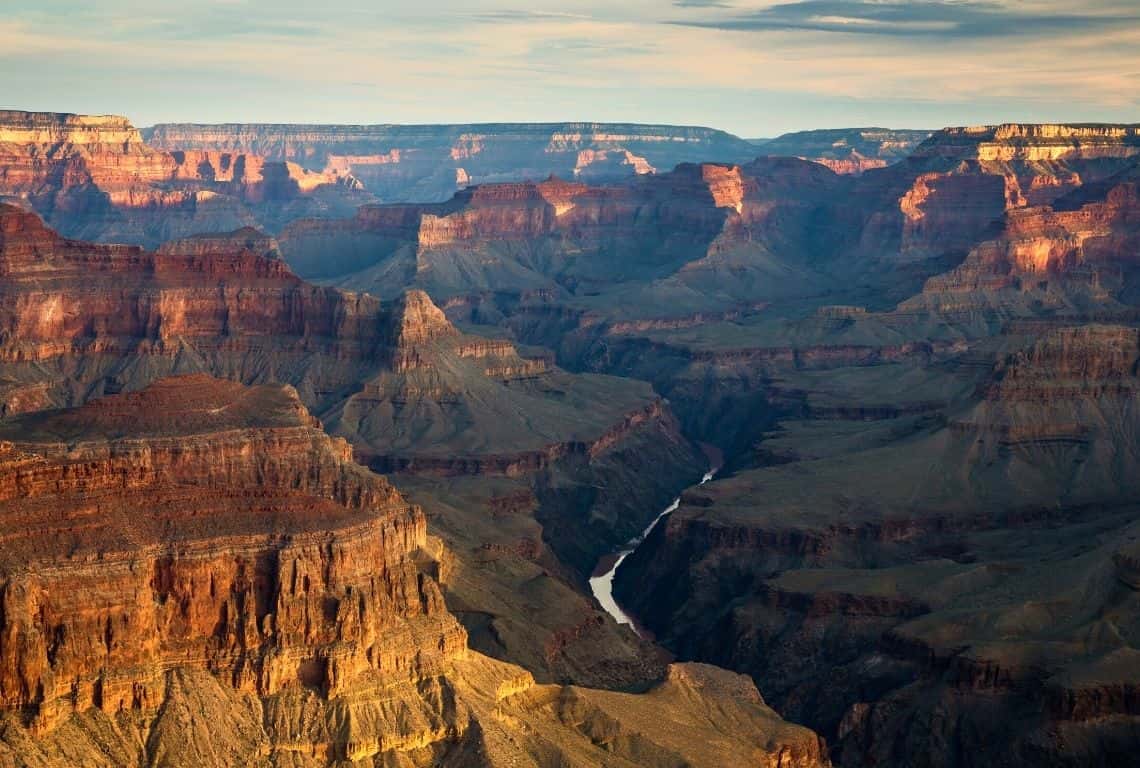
{"x": 602, "y": 585}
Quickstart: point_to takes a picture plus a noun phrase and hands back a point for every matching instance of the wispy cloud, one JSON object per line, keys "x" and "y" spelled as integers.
{"x": 915, "y": 18}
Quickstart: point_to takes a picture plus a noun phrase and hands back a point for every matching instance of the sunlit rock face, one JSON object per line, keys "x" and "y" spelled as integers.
{"x": 430, "y": 163}
{"x": 922, "y": 379}
{"x": 199, "y": 575}
{"x": 1040, "y": 162}
{"x": 556, "y": 236}
{"x": 1077, "y": 255}
{"x": 199, "y": 551}
{"x": 932, "y": 495}
{"x": 94, "y": 177}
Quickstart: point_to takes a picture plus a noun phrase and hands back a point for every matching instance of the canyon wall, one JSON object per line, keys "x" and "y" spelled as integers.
{"x": 922, "y": 378}
{"x": 959, "y": 630}
{"x": 94, "y": 177}
{"x": 196, "y": 574}
{"x": 422, "y": 163}
{"x": 174, "y": 527}
{"x": 556, "y": 238}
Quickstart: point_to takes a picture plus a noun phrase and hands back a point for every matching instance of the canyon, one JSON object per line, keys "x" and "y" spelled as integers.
{"x": 99, "y": 178}
{"x": 436, "y": 374}
{"x": 924, "y": 404}
{"x": 225, "y": 586}
{"x": 407, "y": 389}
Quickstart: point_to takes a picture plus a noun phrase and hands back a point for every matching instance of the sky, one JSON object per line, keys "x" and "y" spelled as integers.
{"x": 752, "y": 67}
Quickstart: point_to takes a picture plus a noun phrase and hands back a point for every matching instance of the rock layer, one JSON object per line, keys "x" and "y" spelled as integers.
{"x": 94, "y": 177}
{"x": 423, "y": 163}
{"x": 201, "y": 524}
{"x": 195, "y": 574}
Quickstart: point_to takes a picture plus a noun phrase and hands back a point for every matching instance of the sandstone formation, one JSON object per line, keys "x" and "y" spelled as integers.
{"x": 114, "y": 317}
{"x": 781, "y": 225}
{"x": 424, "y": 163}
{"x": 195, "y": 574}
{"x": 666, "y": 237}
{"x": 602, "y": 273}
{"x": 94, "y": 177}
{"x": 1074, "y": 259}
{"x": 1039, "y": 162}
{"x": 200, "y": 523}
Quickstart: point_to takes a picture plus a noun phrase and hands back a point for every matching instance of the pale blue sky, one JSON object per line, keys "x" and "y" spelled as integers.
{"x": 753, "y": 67}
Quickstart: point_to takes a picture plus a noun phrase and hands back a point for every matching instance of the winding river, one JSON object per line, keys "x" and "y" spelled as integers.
{"x": 602, "y": 585}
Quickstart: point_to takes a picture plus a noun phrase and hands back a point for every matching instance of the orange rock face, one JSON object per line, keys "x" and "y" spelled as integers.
{"x": 519, "y": 236}
{"x": 1084, "y": 243}
{"x": 95, "y": 177}
{"x": 1038, "y": 162}
{"x": 69, "y": 298}
{"x": 948, "y": 211}
{"x": 80, "y": 320}
{"x": 198, "y": 523}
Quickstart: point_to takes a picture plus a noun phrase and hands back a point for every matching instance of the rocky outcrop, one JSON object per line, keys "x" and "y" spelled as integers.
{"x": 1014, "y": 141}
{"x": 119, "y": 305}
{"x": 1040, "y": 162}
{"x": 247, "y": 239}
{"x": 949, "y": 212}
{"x": 686, "y": 238}
{"x": 175, "y": 527}
{"x": 1083, "y": 361}
{"x": 93, "y": 177}
{"x": 555, "y": 237}
{"x": 410, "y": 392}
{"x": 392, "y": 377}
{"x": 1073, "y": 259}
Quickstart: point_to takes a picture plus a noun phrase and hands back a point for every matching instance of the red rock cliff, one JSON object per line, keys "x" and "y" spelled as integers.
{"x": 199, "y": 523}
{"x": 94, "y": 177}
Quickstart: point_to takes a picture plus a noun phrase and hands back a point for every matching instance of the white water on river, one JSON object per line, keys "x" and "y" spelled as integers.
{"x": 603, "y": 585}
